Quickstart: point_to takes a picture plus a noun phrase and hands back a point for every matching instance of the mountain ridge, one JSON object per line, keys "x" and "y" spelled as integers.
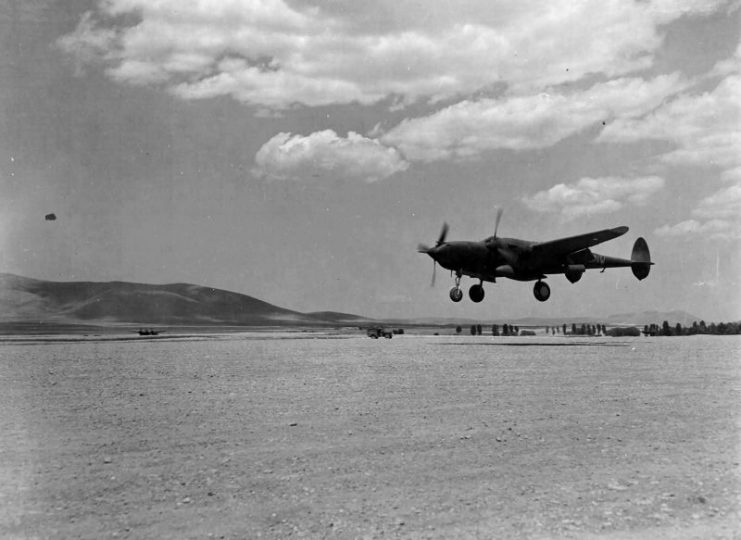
{"x": 118, "y": 302}
{"x": 75, "y": 302}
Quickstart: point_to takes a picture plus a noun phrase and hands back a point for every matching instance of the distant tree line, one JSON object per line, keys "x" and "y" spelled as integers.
{"x": 723, "y": 328}
{"x": 588, "y": 329}
{"x": 582, "y": 329}
{"x": 506, "y": 330}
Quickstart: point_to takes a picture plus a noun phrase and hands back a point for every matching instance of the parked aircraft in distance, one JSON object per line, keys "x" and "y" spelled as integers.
{"x": 524, "y": 260}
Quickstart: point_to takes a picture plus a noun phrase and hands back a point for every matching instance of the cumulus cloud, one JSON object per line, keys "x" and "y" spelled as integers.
{"x": 276, "y": 53}
{"x": 725, "y": 203}
{"x": 717, "y": 216}
{"x": 523, "y": 74}
{"x": 591, "y": 196}
{"x": 728, "y": 66}
{"x": 732, "y": 175}
{"x": 88, "y": 44}
{"x": 297, "y": 157}
{"x": 703, "y": 127}
{"x": 716, "y": 229}
{"x": 525, "y": 122}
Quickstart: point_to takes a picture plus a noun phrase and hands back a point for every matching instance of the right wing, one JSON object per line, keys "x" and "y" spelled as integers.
{"x": 564, "y": 246}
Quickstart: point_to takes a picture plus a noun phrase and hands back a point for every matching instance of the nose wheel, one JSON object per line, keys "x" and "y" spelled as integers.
{"x": 542, "y": 291}
{"x": 456, "y": 294}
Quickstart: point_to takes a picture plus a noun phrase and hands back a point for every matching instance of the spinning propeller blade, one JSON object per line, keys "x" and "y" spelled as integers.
{"x": 500, "y": 211}
{"x": 507, "y": 254}
{"x": 443, "y": 234}
{"x": 423, "y": 248}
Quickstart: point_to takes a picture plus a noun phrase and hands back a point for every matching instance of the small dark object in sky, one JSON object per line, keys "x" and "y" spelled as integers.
{"x": 50, "y": 217}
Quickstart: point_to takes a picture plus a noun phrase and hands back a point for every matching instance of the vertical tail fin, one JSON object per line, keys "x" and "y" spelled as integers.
{"x": 641, "y": 259}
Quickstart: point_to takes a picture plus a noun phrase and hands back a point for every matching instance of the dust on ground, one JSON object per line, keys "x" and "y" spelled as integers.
{"x": 415, "y": 437}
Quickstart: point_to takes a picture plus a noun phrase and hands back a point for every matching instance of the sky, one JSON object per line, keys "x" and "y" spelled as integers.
{"x": 299, "y": 151}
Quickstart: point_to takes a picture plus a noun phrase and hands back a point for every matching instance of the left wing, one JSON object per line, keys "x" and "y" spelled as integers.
{"x": 564, "y": 246}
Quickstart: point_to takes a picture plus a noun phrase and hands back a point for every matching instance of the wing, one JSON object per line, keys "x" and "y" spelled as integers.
{"x": 564, "y": 246}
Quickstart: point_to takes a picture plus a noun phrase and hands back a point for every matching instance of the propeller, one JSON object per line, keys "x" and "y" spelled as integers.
{"x": 422, "y": 248}
{"x": 506, "y": 253}
{"x": 495, "y": 239}
{"x": 443, "y": 234}
{"x": 500, "y": 211}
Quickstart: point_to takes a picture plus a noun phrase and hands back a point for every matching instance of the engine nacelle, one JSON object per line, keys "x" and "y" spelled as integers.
{"x": 573, "y": 272}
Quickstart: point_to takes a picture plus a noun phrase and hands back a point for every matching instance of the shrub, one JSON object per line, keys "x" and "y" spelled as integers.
{"x": 624, "y": 331}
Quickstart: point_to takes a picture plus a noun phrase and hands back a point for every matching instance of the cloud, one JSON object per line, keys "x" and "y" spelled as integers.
{"x": 469, "y": 128}
{"x": 288, "y": 156}
{"x": 731, "y": 175}
{"x": 518, "y": 82}
{"x": 714, "y": 229}
{"x": 728, "y": 66}
{"x": 277, "y": 53}
{"x": 717, "y": 216}
{"x": 88, "y": 44}
{"x": 591, "y": 196}
{"x": 725, "y": 203}
{"x": 704, "y": 127}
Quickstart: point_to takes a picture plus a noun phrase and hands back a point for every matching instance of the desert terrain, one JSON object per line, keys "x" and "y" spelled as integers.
{"x": 312, "y": 435}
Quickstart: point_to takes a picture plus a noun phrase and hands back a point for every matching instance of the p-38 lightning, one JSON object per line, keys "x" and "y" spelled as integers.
{"x": 523, "y": 260}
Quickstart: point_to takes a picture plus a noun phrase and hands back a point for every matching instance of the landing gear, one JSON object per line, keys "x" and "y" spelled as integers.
{"x": 456, "y": 294}
{"x": 476, "y": 293}
{"x": 541, "y": 291}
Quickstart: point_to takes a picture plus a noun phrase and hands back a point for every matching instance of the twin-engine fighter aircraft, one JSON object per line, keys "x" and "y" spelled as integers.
{"x": 523, "y": 260}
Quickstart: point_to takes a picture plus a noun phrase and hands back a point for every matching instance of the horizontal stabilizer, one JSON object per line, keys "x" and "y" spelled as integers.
{"x": 640, "y": 259}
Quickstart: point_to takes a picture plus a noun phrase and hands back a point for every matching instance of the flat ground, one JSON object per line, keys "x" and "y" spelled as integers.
{"x": 247, "y": 436}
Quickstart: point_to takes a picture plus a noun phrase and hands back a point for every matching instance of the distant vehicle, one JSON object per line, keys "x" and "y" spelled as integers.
{"x": 523, "y": 260}
{"x": 375, "y": 333}
{"x": 50, "y": 217}
{"x": 148, "y": 332}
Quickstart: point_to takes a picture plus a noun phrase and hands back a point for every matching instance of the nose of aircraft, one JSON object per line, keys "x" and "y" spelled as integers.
{"x": 437, "y": 253}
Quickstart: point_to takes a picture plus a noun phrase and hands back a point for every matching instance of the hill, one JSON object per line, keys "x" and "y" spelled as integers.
{"x": 339, "y": 318}
{"x": 26, "y": 299}
{"x": 653, "y": 317}
{"x": 622, "y": 319}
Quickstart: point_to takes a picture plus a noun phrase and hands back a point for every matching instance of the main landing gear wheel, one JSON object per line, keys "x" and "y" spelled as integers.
{"x": 542, "y": 291}
{"x": 456, "y": 294}
{"x": 476, "y": 293}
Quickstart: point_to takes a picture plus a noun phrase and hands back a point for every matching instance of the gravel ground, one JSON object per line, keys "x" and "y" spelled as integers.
{"x": 248, "y": 436}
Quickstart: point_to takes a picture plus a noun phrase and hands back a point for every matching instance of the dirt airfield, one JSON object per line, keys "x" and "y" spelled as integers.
{"x": 249, "y": 436}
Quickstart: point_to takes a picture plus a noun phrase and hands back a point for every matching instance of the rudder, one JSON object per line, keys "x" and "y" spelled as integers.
{"x": 640, "y": 259}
